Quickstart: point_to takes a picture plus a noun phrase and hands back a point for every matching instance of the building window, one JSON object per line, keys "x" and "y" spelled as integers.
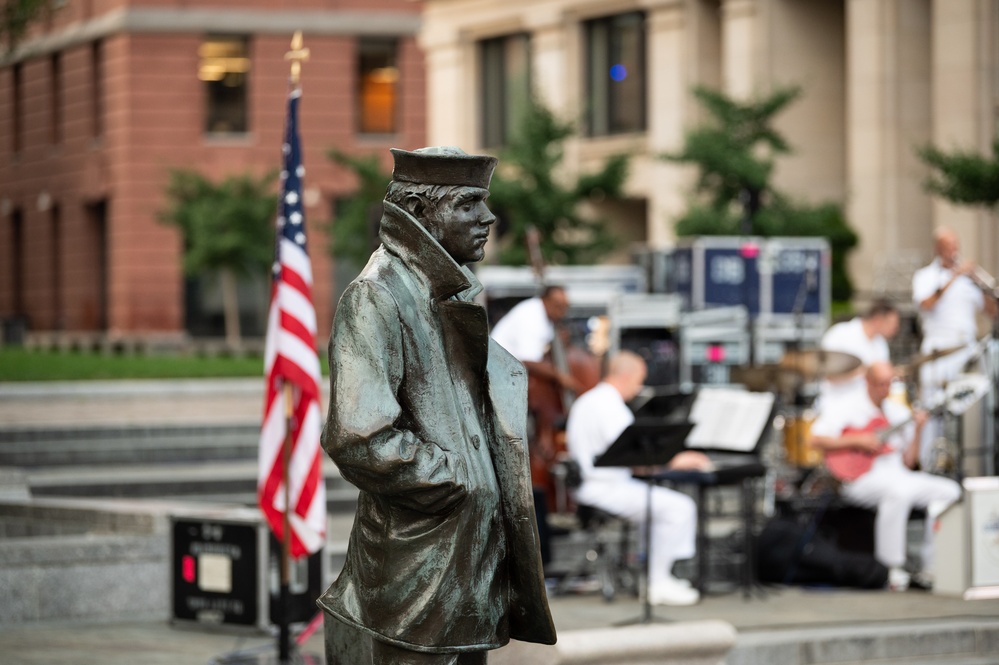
{"x": 615, "y": 74}
{"x": 17, "y": 98}
{"x": 97, "y": 89}
{"x": 17, "y": 246}
{"x": 55, "y": 267}
{"x": 506, "y": 86}
{"x": 377, "y": 86}
{"x": 224, "y": 67}
{"x": 55, "y": 98}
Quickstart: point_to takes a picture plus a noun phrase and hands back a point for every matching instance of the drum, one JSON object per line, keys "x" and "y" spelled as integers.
{"x": 797, "y": 431}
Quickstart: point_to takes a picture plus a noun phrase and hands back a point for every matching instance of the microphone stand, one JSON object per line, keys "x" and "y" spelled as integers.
{"x": 992, "y": 367}
{"x": 987, "y": 284}
{"x": 798, "y": 312}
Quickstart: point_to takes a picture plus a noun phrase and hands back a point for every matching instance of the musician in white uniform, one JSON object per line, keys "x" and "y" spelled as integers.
{"x": 527, "y": 331}
{"x": 596, "y": 420}
{"x": 889, "y": 485}
{"x": 865, "y": 337}
{"x": 949, "y": 302}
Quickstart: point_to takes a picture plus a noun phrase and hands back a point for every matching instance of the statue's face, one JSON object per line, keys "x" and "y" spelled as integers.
{"x": 460, "y": 223}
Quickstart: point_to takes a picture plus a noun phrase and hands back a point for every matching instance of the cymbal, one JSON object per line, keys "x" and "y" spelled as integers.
{"x": 757, "y": 378}
{"x": 766, "y": 377}
{"x": 818, "y": 363}
{"x": 935, "y": 354}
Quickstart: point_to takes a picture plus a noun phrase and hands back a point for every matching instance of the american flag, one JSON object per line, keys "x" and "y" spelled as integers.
{"x": 291, "y": 358}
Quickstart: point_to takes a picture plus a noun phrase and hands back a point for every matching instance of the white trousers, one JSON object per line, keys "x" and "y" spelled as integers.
{"x": 674, "y": 518}
{"x": 893, "y": 490}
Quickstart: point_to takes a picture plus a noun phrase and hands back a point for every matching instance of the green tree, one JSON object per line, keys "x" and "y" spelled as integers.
{"x": 16, "y": 17}
{"x": 963, "y": 177}
{"x": 527, "y": 191}
{"x": 524, "y": 192}
{"x": 352, "y": 233}
{"x": 735, "y": 152}
{"x": 228, "y": 228}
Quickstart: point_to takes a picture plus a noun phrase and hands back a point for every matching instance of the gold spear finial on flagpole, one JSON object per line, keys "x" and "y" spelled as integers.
{"x": 297, "y": 55}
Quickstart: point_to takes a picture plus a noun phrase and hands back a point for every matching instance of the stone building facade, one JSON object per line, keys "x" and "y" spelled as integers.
{"x": 880, "y": 77}
{"x": 100, "y": 102}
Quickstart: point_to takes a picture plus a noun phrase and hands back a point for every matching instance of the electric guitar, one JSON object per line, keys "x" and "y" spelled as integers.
{"x": 848, "y": 464}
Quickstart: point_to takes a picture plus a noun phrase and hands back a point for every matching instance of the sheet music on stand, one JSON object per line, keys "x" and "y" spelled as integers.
{"x": 728, "y": 419}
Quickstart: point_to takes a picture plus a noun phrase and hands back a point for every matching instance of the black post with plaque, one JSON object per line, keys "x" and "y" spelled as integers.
{"x": 225, "y": 571}
{"x": 219, "y": 567}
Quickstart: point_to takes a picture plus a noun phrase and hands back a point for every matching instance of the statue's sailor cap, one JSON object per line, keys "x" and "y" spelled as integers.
{"x": 444, "y": 165}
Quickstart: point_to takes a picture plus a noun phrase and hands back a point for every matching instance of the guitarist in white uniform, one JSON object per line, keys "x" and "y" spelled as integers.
{"x": 876, "y": 471}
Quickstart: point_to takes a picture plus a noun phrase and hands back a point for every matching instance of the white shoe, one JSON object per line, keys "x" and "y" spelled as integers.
{"x": 682, "y": 581}
{"x": 923, "y": 580}
{"x": 673, "y": 592}
{"x": 898, "y": 579}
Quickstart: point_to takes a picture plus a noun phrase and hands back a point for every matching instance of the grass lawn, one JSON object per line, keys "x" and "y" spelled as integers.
{"x": 18, "y": 364}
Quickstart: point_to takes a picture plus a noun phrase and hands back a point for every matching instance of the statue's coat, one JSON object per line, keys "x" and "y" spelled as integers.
{"x": 428, "y": 419}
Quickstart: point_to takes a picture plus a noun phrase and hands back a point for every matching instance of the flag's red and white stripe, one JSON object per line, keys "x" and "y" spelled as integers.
{"x": 291, "y": 358}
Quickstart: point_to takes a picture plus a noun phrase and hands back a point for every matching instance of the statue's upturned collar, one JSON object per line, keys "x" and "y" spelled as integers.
{"x": 405, "y": 237}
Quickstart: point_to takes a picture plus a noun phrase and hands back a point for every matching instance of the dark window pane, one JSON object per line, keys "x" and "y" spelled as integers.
{"x": 97, "y": 88}
{"x": 615, "y": 74}
{"x": 17, "y": 97}
{"x": 224, "y": 66}
{"x": 378, "y": 86}
{"x": 506, "y": 86}
{"x": 55, "y": 98}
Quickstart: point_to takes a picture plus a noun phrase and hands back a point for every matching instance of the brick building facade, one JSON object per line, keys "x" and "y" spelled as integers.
{"x": 100, "y": 102}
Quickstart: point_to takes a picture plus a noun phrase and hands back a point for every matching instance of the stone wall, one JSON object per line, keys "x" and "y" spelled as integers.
{"x": 93, "y": 577}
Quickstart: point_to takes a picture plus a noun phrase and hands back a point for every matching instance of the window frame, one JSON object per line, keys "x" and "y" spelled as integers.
{"x": 498, "y": 114}
{"x": 360, "y": 107}
{"x": 213, "y": 115}
{"x": 97, "y": 89}
{"x": 603, "y": 100}
{"x": 56, "y": 99}
{"x": 17, "y": 112}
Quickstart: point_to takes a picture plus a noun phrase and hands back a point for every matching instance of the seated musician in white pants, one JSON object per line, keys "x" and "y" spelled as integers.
{"x": 878, "y": 473}
{"x": 596, "y": 420}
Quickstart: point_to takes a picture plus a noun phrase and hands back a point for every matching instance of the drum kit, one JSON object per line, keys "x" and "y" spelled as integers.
{"x": 797, "y": 375}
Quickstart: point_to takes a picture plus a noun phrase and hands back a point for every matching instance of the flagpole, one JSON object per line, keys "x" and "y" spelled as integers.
{"x": 284, "y": 632}
{"x": 296, "y": 55}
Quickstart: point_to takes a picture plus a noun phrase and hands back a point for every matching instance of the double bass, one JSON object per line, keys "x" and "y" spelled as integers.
{"x": 547, "y": 400}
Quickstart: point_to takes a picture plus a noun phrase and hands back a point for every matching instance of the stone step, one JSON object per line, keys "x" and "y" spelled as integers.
{"x": 221, "y": 479}
{"x": 35, "y": 447}
{"x": 338, "y": 500}
{"x": 112, "y": 544}
{"x": 964, "y": 641}
{"x": 952, "y": 660}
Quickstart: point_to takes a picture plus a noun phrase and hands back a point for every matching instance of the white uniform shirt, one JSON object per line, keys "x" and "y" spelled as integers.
{"x": 849, "y": 337}
{"x": 952, "y": 320}
{"x": 596, "y": 420}
{"x": 856, "y": 410}
{"x": 525, "y": 331}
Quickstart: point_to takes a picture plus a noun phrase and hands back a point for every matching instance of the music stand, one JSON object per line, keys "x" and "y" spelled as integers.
{"x": 748, "y": 418}
{"x": 646, "y": 442}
